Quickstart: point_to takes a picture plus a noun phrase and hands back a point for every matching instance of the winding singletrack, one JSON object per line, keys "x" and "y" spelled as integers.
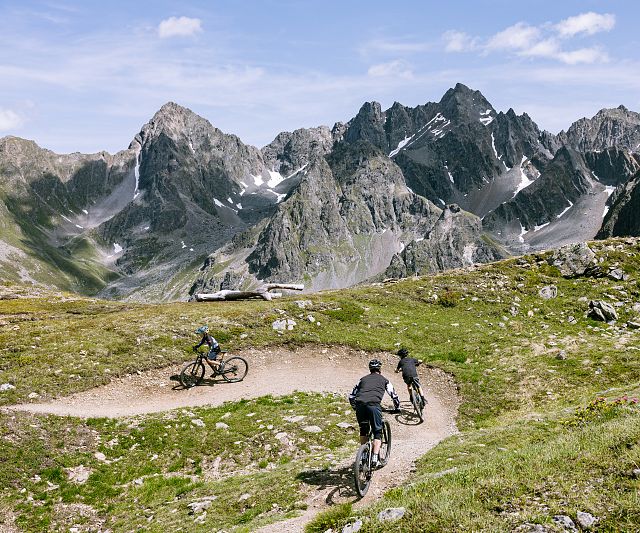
{"x": 279, "y": 372}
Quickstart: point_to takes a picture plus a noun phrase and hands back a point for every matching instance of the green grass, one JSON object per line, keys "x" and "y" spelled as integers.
{"x": 161, "y": 463}
{"x": 495, "y": 335}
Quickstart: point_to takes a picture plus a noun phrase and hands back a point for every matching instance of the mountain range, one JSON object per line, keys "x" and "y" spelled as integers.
{"x": 187, "y": 208}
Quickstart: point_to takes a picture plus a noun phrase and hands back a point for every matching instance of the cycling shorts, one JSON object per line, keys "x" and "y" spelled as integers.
{"x": 412, "y": 379}
{"x": 213, "y": 353}
{"x": 369, "y": 416}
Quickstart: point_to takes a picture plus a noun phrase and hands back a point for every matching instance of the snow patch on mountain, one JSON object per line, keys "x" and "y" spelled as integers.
{"x": 567, "y": 209}
{"x": 400, "y": 146}
{"x": 524, "y": 179}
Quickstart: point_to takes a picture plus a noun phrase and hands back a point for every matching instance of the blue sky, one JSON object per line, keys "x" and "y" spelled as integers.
{"x": 85, "y": 76}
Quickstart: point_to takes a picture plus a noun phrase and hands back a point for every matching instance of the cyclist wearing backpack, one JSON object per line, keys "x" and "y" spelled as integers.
{"x": 214, "y": 348}
{"x": 409, "y": 371}
{"x": 365, "y": 398}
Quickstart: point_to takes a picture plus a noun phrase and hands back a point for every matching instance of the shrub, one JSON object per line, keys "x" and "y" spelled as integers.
{"x": 449, "y": 298}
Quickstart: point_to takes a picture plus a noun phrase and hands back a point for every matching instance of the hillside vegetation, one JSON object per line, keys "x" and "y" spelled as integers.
{"x": 535, "y": 442}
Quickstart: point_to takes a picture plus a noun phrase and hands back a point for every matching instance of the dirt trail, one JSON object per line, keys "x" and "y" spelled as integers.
{"x": 280, "y": 372}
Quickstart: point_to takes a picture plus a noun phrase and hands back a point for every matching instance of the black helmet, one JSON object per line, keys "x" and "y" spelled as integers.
{"x": 403, "y": 352}
{"x": 375, "y": 364}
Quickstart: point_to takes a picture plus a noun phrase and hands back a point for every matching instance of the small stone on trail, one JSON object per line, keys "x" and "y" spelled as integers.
{"x": 222, "y": 425}
{"x": 244, "y": 497}
{"x": 562, "y": 355}
{"x": 585, "y": 520}
{"x": 344, "y": 425}
{"x": 100, "y": 456}
{"x": 391, "y": 514}
{"x": 312, "y": 429}
{"x": 197, "y": 422}
{"x": 303, "y": 304}
{"x": 33, "y": 395}
{"x": 633, "y": 325}
{"x": 636, "y": 473}
{"x": 6, "y": 386}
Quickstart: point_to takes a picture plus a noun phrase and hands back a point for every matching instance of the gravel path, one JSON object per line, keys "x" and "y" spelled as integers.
{"x": 279, "y": 372}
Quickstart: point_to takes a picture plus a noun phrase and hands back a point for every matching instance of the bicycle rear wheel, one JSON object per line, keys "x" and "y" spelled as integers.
{"x": 361, "y": 470}
{"x": 235, "y": 369}
{"x": 192, "y": 374}
{"x": 385, "y": 447}
{"x": 416, "y": 401}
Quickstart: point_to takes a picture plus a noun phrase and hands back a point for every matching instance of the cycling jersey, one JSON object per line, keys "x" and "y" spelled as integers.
{"x": 214, "y": 347}
{"x": 365, "y": 398}
{"x": 408, "y": 366}
{"x": 370, "y": 391}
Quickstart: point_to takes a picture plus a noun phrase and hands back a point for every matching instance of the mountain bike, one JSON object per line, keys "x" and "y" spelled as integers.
{"x": 416, "y": 400}
{"x": 362, "y": 468}
{"x": 232, "y": 370}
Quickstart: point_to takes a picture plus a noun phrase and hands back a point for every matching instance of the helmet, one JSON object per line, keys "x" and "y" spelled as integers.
{"x": 403, "y": 352}
{"x": 375, "y": 364}
{"x": 202, "y": 329}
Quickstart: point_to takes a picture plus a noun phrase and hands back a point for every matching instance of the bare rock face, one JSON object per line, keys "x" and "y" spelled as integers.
{"x": 573, "y": 259}
{"x": 289, "y": 152}
{"x": 617, "y": 127}
{"x": 454, "y": 241}
{"x": 623, "y": 216}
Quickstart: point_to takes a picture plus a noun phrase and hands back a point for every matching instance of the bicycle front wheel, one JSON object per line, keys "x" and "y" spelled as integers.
{"x": 235, "y": 369}
{"x": 362, "y": 470}
{"x": 192, "y": 374}
{"x": 385, "y": 447}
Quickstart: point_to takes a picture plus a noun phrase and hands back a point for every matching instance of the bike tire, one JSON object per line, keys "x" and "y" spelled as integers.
{"x": 417, "y": 402}
{"x": 192, "y": 374}
{"x": 385, "y": 447}
{"x": 361, "y": 470}
{"x": 235, "y": 369}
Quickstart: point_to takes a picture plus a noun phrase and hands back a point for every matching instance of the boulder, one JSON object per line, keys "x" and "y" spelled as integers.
{"x": 548, "y": 292}
{"x": 565, "y": 522}
{"x": 631, "y": 324}
{"x": 353, "y": 527}
{"x": 616, "y": 273}
{"x": 283, "y": 324}
{"x": 602, "y": 311}
{"x": 573, "y": 259}
{"x": 78, "y": 474}
{"x": 585, "y": 520}
{"x": 391, "y": 514}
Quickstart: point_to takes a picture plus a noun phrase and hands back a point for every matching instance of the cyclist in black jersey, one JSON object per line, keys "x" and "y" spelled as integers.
{"x": 214, "y": 348}
{"x": 365, "y": 398}
{"x": 409, "y": 371}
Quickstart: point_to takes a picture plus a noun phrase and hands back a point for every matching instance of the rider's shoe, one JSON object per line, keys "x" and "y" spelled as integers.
{"x": 374, "y": 460}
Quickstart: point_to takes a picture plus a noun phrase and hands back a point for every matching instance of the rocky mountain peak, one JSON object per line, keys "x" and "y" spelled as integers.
{"x": 462, "y": 102}
{"x": 610, "y": 127}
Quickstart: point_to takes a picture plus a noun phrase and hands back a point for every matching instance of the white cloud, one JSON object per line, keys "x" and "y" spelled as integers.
{"x": 588, "y": 23}
{"x": 397, "y": 68}
{"x": 9, "y": 120}
{"x": 459, "y": 41}
{"x": 583, "y": 55}
{"x": 544, "y": 41}
{"x": 517, "y": 37}
{"x": 386, "y": 46}
{"x": 179, "y": 27}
